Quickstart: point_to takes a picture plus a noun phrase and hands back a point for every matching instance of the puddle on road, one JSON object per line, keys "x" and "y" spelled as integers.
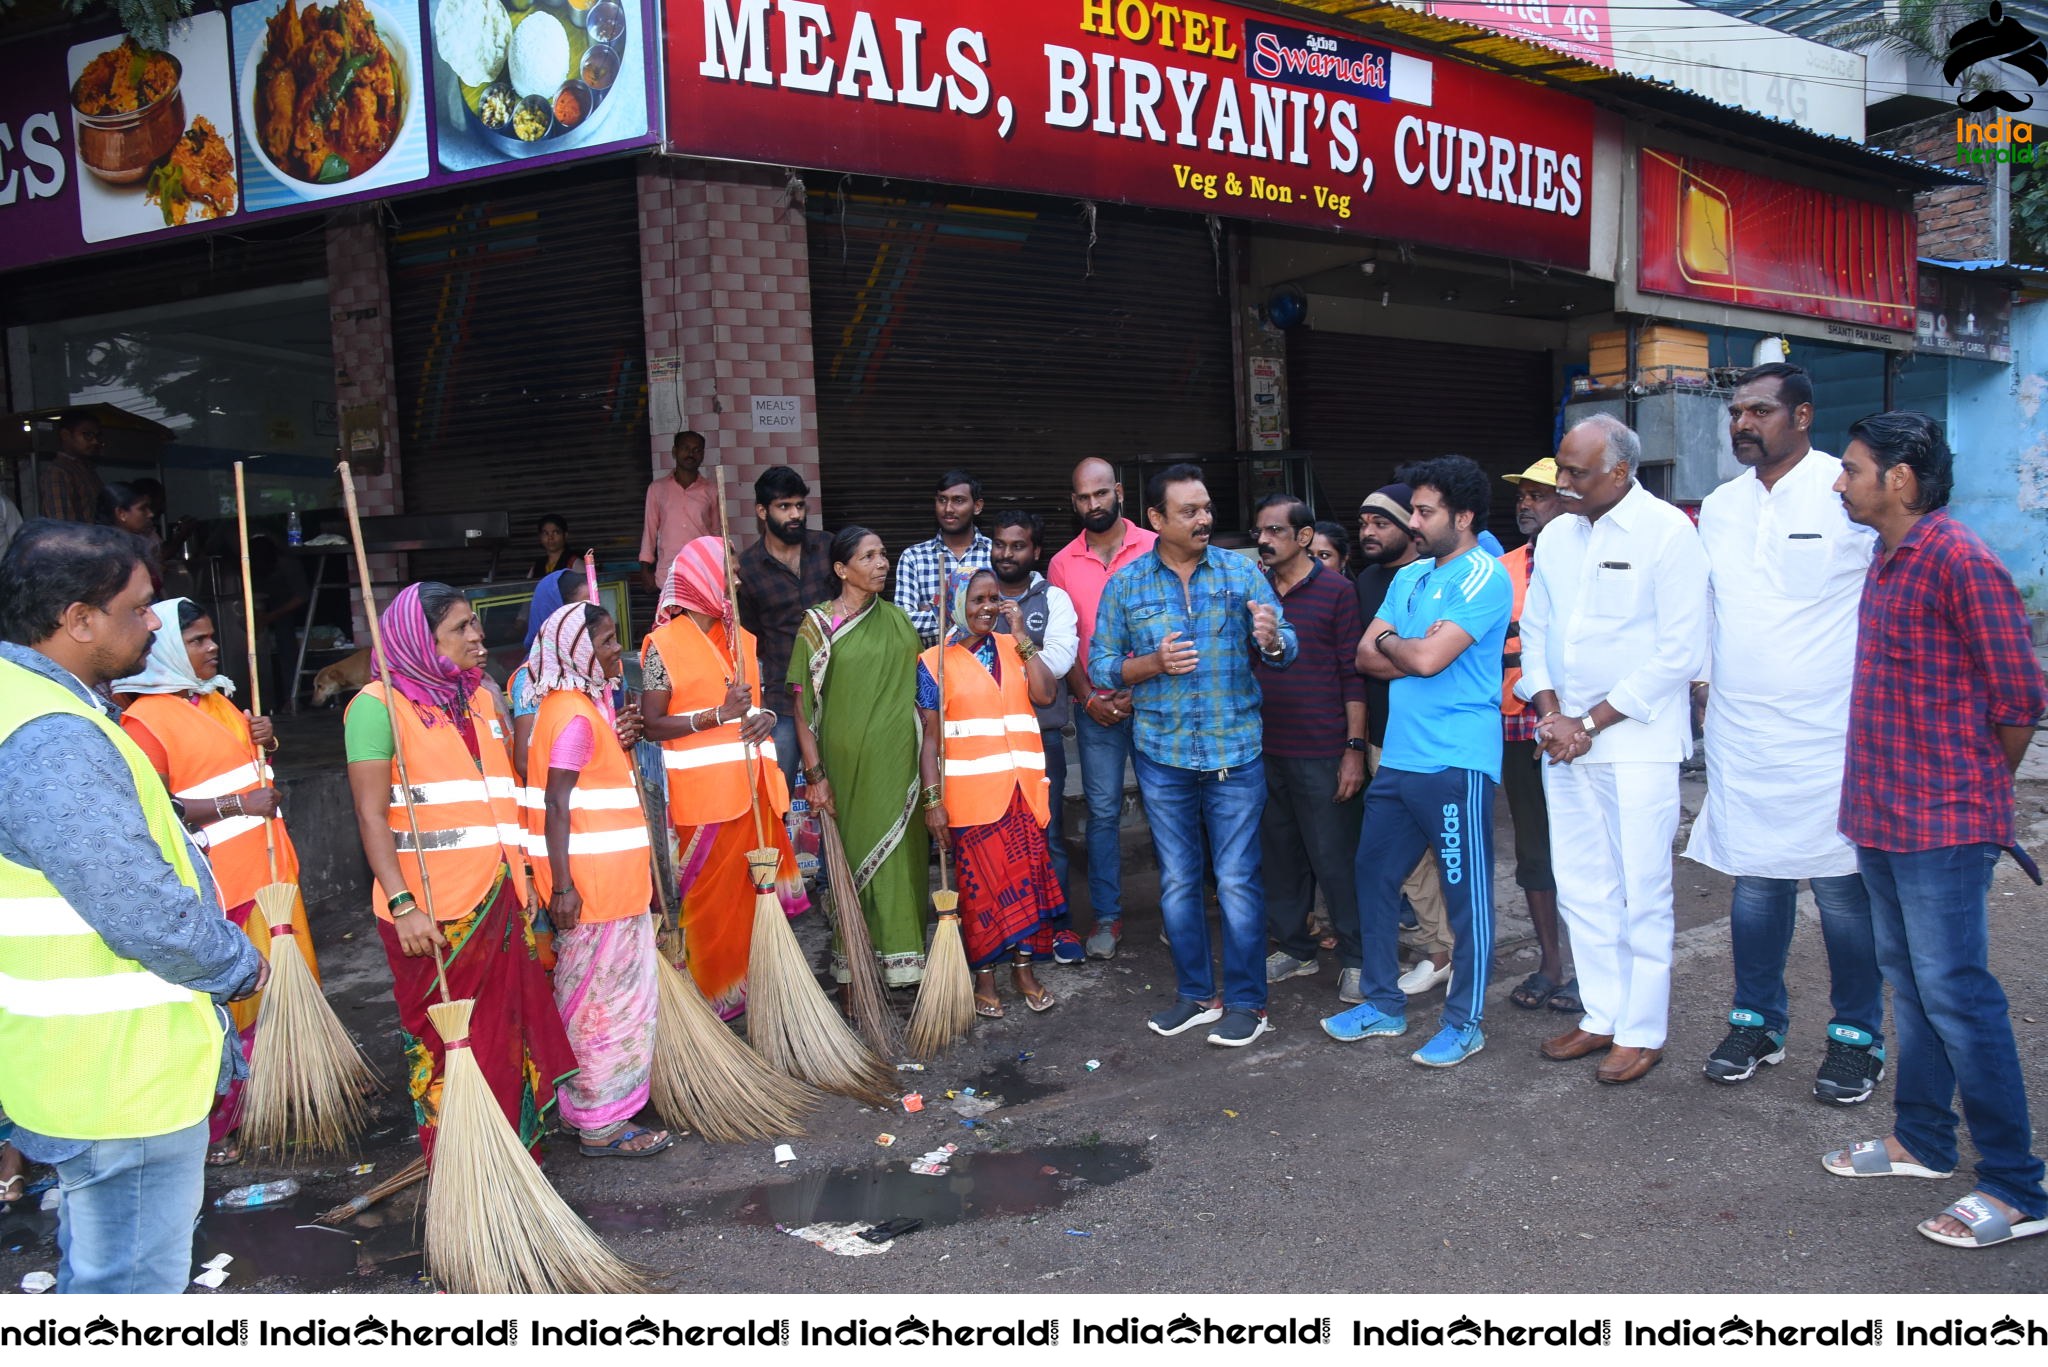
{"x": 980, "y": 1185}
{"x": 1016, "y": 1082}
{"x": 270, "y": 1245}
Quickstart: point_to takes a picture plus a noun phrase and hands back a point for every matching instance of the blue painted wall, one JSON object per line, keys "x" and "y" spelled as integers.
{"x": 1998, "y": 426}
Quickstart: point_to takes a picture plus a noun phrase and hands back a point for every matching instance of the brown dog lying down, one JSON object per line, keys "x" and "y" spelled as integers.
{"x": 346, "y": 677}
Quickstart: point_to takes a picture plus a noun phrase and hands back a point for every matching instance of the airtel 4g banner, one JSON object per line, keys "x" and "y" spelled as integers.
{"x": 1210, "y": 109}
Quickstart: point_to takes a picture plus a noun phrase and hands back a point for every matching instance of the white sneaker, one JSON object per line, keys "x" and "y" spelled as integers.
{"x": 1423, "y": 977}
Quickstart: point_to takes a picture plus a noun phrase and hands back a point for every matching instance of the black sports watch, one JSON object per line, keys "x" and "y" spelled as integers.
{"x": 1358, "y": 743}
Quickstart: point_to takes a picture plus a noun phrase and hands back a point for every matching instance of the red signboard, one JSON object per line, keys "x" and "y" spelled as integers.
{"x": 1713, "y": 232}
{"x": 1577, "y": 28}
{"x": 1214, "y": 110}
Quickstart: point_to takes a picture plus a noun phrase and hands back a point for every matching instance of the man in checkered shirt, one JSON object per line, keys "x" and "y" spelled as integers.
{"x": 957, "y": 551}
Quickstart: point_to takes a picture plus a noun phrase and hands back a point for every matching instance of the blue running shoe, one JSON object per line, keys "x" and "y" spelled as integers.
{"x": 1363, "y": 1022}
{"x": 1066, "y": 948}
{"x": 1450, "y": 1047}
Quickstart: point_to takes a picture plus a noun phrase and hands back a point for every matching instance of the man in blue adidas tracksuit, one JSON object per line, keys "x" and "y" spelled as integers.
{"x": 1438, "y": 639}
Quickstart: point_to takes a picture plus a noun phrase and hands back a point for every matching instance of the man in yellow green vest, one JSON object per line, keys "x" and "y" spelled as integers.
{"x": 114, "y": 952}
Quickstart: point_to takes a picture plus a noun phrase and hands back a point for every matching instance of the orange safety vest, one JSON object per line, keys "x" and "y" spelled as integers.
{"x": 707, "y": 772}
{"x": 468, "y": 815}
{"x": 608, "y": 847}
{"x": 208, "y": 760}
{"x": 993, "y": 745}
{"x": 1518, "y": 562}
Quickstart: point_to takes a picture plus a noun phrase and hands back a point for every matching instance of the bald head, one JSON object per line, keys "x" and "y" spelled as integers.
{"x": 1098, "y": 497}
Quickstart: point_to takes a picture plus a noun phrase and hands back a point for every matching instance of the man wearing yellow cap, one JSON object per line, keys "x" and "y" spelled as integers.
{"x": 1521, "y": 780}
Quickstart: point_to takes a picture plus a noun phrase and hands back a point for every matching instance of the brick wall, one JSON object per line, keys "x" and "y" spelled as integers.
{"x": 1955, "y": 221}
{"x": 726, "y": 265}
{"x": 365, "y": 371}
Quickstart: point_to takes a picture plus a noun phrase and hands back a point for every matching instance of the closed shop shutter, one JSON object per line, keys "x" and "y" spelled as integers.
{"x": 959, "y": 328}
{"x": 1367, "y": 405}
{"x": 522, "y": 377}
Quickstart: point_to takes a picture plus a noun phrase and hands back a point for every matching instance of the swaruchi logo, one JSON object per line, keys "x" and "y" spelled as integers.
{"x": 1295, "y": 56}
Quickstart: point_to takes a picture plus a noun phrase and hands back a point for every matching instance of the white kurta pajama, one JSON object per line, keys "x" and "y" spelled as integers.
{"x": 1617, "y": 612}
{"x": 1786, "y": 570}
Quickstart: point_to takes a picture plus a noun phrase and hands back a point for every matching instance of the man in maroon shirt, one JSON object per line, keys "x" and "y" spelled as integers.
{"x": 1314, "y": 747}
{"x": 1946, "y": 696}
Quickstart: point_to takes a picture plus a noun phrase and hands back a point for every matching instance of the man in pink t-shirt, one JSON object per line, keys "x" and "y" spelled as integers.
{"x": 1102, "y": 719}
{"x": 680, "y": 509}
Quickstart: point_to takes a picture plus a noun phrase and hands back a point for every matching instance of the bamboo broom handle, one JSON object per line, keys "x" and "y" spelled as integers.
{"x": 255, "y": 674}
{"x": 739, "y": 656}
{"x": 391, "y": 696}
{"x": 945, "y": 640}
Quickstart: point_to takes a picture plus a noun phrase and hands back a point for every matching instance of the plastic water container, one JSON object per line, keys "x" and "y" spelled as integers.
{"x": 804, "y": 836}
{"x": 294, "y": 531}
{"x": 261, "y": 1194}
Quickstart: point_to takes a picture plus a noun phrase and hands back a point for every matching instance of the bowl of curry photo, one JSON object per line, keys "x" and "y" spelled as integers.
{"x": 325, "y": 94}
{"x": 128, "y": 111}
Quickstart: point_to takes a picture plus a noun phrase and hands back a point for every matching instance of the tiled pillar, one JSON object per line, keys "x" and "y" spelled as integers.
{"x": 365, "y": 372}
{"x": 726, "y": 266}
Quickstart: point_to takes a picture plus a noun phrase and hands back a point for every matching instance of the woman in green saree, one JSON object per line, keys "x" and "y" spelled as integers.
{"x": 854, "y": 673}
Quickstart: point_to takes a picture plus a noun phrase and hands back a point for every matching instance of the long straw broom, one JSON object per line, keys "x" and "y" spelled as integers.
{"x": 872, "y": 1014}
{"x": 494, "y": 1224}
{"x": 411, "y": 1174}
{"x": 307, "y": 1076}
{"x": 790, "y": 1021}
{"x": 944, "y": 1009}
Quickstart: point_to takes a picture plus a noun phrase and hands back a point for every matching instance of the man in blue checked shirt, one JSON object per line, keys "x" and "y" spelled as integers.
{"x": 1179, "y": 627}
{"x": 957, "y": 551}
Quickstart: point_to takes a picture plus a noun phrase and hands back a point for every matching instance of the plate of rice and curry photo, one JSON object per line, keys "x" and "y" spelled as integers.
{"x": 153, "y": 131}
{"x": 524, "y": 77}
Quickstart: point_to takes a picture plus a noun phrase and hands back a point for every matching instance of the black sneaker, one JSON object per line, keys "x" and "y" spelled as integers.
{"x": 1853, "y": 1068}
{"x": 1239, "y": 1028}
{"x": 1183, "y": 1016}
{"x": 1748, "y": 1044}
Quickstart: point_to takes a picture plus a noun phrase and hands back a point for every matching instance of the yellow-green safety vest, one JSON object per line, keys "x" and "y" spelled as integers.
{"x": 92, "y": 1045}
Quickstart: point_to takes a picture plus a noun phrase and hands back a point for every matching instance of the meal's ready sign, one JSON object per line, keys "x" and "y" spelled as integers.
{"x": 1207, "y": 108}
{"x": 277, "y": 107}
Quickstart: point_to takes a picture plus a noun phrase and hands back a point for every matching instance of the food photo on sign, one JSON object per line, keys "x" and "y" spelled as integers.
{"x": 153, "y": 131}
{"x": 331, "y": 98}
{"x": 521, "y": 78}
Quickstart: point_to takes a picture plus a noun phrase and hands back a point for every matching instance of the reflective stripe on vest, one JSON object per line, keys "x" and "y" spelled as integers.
{"x": 608, "y": 846}
{"x": 993, "y": 744}
{"x": 95, "y": 1045}
{"x": 714, "y": 758}
{"x": 468, "y": 816}
{"x": 209, "y": 750}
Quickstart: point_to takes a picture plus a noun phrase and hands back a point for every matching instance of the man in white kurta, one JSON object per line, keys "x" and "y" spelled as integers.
{"x": 1786, "y": 569}
{"x": 1613, "y": 633}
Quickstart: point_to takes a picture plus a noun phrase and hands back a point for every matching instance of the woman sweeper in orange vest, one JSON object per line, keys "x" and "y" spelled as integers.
{"x": 177, "y": 711}
{"x": 696, "y": 707}
{"x": 465, "y": 800}
{"x": 995, "y": 802}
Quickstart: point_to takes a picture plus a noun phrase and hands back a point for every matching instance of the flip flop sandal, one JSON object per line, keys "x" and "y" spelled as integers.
{"x": 1044, "y": 1001}
{"x": 1869, "y": 1159}
{"x": 1566, "y": 999}
{"x": 626, "y": 1136}
{"x": 225, "y": 1154}
{"x": 988, "y": 1010}
{"x": 13, "y": 1189}
{"x": 1535, "y": 991}
{"x": 1988, "y": 1225}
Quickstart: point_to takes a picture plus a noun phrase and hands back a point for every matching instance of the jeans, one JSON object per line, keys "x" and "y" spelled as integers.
{"x": 1307, "y": 841}
{"x": 785, "y": 747}
{"x": 125, "y": 1224}
{"x": 1760, "y": 924}
{"x": 1953, "y": 1031}
{"x": 1183, "y": 805}
{"x": 1449, "y": 814}
{"x": 1104, "y": 750}
{"x": 1055, "y": 827}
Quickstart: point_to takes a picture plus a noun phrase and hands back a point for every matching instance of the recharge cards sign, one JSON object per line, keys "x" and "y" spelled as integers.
{"x": 1213, "y": 110}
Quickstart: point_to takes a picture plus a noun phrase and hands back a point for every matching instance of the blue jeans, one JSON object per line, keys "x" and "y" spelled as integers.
{"x": 1182, "y": 805}
{"x": 1105, "y": 750}
{"x": 1450, "y": 814}
{"x": 1953, "y": 1031}
{"x": 1056, "y": 826}
{"x": 785, "y": 748}
{"x": 125, "y": 1225}
{"x": 1760, "y": 924}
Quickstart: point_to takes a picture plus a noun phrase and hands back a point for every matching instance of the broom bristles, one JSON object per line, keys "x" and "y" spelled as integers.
{"x": 494, "y": 1224}
{"x": 308, "y": 1079}
{"x": 945, "y": 999}
{"x": 790, "y": 1022}
{"x": 409, "y": 1175}
{"x": 706, "y": 1079}
{"x": 872, "y": 1014}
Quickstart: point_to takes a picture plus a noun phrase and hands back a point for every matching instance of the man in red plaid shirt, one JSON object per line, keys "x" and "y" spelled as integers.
{"x": 1946, "y": 696}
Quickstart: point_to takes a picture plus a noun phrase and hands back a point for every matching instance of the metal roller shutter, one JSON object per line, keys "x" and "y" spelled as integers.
{"x": 522, "y": 376}
{"x": 1366, "y": 405}
{"x": 959, "y": 328}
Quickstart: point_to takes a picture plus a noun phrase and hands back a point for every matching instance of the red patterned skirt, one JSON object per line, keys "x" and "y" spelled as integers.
{"x": 1008, "y": 892}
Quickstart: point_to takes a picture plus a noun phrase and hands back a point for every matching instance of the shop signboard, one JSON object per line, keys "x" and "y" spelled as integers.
{"x": 269, "y": 108}
{"x": 1211, "y": 109}
{"x": 1964, "y": 314}
{"x": 1735, "y": 237}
